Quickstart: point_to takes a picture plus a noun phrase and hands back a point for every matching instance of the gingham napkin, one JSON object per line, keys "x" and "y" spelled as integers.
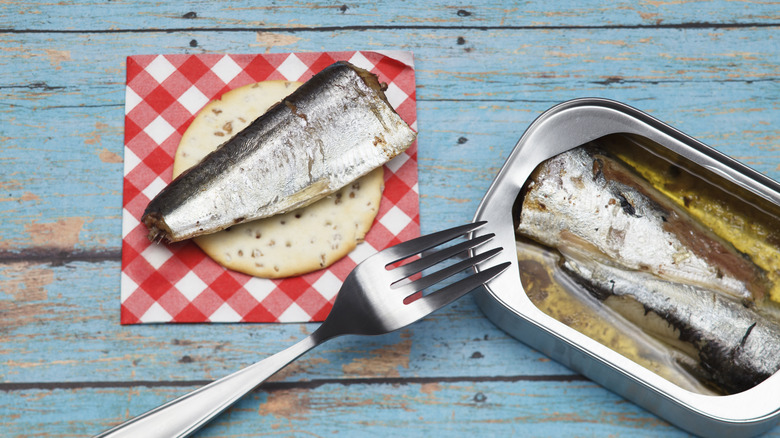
{"x": 178, "y": 282}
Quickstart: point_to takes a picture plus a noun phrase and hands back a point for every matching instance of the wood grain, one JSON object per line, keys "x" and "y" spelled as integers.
{"x": 485, "y": 70}
{"x": 459, "y": 408}
{"x": 290, "y": 18}
{"x": 719, "y": 87}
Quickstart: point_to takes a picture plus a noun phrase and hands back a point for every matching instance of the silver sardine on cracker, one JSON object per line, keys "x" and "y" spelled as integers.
{"x": 335, "y": 128}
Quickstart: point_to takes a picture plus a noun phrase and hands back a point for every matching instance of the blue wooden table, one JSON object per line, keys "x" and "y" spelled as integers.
{"x": 485, "y": 70}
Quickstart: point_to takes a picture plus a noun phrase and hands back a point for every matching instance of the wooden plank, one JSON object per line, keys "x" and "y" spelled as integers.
{"x": 129, "y": 15}
{"x": 63, "y": 132}
{"x": 459, "y": 408}
{"x": 60, "y": 324}
{"x": 485, "y": 70}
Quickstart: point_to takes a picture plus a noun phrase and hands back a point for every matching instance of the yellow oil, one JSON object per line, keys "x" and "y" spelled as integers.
{"x": 739, "y": 217}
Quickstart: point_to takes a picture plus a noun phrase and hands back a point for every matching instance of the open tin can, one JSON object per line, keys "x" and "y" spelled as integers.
{"x": 506, "y": 303}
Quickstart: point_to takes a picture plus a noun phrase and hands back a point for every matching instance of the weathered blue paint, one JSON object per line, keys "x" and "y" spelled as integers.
{"x": 462, "y": 408}
{"x": 126, "y": 15}
{"x": 485, "y": 70}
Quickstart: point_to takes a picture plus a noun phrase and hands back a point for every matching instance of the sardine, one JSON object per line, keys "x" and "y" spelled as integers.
{"x": 645, "y": 257}
{"x": 335, "y": 128}
{"x": 737, "y": 348}
{"x": 587, "y": 199}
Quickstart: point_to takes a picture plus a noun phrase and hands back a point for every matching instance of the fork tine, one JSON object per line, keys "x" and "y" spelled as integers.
{"x": 429, "y": 280}
{"x": 415, "y": 246}
{"x": 452, "y": 292}
{"x": 429, "y": 260}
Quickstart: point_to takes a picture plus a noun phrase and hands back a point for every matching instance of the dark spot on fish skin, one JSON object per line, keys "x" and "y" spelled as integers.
{"x": 747, "y": 333}
{"x": 477, "y": 355}
{"x": 598, "y": 167}
{"x": 294, "y": 110}
{"x": 627, "y": 206}
{"x": 193, "y": 43}
{"x": 480, "y": 397}
{"x": 186, "y": 359}
{"x": 597, "y": 292}
{"x": 461, "y": 41}
{"x": 463, "y": 13}
{"x": 462, "y": 140}
{"x": 190, "y": 15}
{"x": 297, "y": 215}
{"x": 379, "y": 140}
{"x": 687, "y": 201}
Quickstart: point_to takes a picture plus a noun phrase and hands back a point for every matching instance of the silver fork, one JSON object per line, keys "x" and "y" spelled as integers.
{"x": 374, "y": 299}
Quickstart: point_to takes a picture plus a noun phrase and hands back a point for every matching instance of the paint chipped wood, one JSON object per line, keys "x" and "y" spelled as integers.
{"x": 484, "y": 72}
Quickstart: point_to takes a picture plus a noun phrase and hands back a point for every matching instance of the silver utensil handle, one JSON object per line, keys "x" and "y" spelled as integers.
{"x": 190, "y": 412}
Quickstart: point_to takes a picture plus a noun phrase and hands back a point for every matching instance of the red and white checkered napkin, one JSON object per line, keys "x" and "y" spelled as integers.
{"x": 178, "y": 282}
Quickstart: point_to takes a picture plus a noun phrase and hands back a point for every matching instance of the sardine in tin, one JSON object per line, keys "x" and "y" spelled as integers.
{"x": 564, "y": 127}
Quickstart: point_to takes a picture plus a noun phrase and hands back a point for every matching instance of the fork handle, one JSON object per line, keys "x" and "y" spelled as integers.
{"x": 190, "y": 412}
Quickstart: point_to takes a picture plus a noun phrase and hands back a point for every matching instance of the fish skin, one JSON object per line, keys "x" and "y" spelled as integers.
{"x": 625, "y": 243}
{"x": 584, "y": 198}
{"x": 737, "y": 348}
{"x": 335, "y": 128}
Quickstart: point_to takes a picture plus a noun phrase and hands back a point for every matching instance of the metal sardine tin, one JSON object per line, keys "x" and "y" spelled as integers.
{"x": 335, "y": 128}
{"x": 552, "y": 315}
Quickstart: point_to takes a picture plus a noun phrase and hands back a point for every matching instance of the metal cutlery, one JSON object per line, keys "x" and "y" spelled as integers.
{"x": 379, "y": 296}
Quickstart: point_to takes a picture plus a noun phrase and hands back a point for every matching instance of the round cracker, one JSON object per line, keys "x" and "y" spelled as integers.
{"x": 289, "y": 244}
